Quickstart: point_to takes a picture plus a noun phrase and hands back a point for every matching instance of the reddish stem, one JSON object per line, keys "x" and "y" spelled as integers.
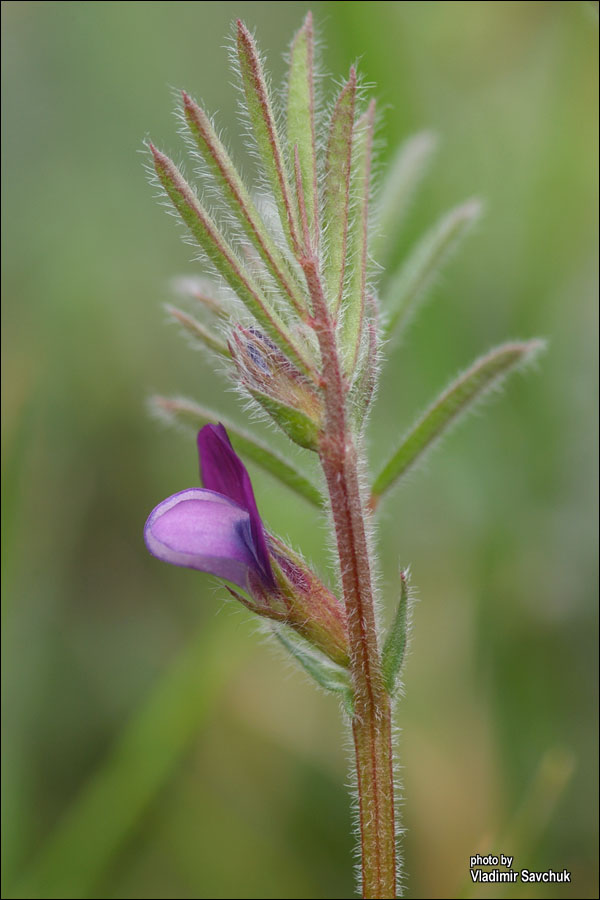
{"x": 371, "y": 725}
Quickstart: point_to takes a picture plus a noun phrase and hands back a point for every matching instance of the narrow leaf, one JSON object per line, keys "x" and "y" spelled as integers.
{"x": 394, "y": 648}
{"x": 363, "y": 385}
{"x": 301, "y": 199}
{"x": 199, "y": 332}
{"x": 187, "y": 413}
{"x": 265, "y": 131}
{"x": 329, "y": 676}
{"x": 354, "y": 301}
{"x": 221, "y": 255}
{"x": 336, "y": 198}
{"x": 451, "y": 406}
{"x": 404, "y": 177}
{"x": 301, "y": 117}
{"x": 408, "y": 286}
{"x": 203, "y": 292}
{"x": 239, "y": 200}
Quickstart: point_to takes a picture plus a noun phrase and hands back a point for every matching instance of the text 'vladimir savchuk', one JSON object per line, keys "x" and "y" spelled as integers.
{"x": 478, "y": 875}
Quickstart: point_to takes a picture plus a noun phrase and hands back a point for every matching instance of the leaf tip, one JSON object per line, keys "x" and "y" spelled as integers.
{"x": 425, "y": 141}
{"x": 531, "y": 349}
{"x": 536, "y": 345}
{"x": 161, "y": 160}
{"x": 469, "y": 211}
{"x": 243, "y": 34}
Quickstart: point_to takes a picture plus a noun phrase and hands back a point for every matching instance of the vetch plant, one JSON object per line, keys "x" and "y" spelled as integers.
{"x": 295, "y": 313}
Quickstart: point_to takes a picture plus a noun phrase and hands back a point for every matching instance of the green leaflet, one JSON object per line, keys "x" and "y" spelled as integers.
{"x": 336, "y": 197}
{"x": 301, "y": 118}
{"x": 394, "y": 648}
{"x": 222, "y": 256}
{"x": 354, "y": 298}
{"x": 365, "y": 376}
{"x": 452, "y": 405}
{"x": 238, "y": 198}
{"x": 405, "y": 174}
{"x": 296, "y": 424}
{"x": 329, "y": 676}
{"x": 187, "y": 413}
{"x": 409, "y": 284}
{"x": 265, "y": 131}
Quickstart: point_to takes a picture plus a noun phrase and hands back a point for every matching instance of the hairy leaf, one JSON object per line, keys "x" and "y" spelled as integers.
{"x": 451, "y": 406}
{"x": 221, "y": 254}
{"x": 394, "y": 648}
{"x": 239, "y": 199}
{"x": 337, "y": 190}
{"x": 405, "y": 174}
{"x": 355, "y": 296}
{"x": 323, "y": 671}
{"x": 408, "y": 286}
{"x": 198, "y": 331}
{"x": 301, "y": 118}
{"x": 267, "y": 137}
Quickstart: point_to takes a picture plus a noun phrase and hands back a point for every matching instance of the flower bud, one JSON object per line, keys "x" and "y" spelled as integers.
{"x": 283, "y": 391}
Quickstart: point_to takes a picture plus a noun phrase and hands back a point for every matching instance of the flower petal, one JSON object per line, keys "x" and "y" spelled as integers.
{"x": 203, "y": 530}
{"x": 222, "y": 471}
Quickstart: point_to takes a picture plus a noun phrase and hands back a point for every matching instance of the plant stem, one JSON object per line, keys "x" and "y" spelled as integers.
{"x": 371, "y": 725}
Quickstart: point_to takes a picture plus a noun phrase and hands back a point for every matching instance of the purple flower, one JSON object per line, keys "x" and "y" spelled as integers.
{"x": 215, "y": 529}
{"x": 218, "y": 529}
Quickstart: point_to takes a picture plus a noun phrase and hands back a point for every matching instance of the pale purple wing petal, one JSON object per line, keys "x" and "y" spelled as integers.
{"x": 203, "y": 530}
{"x": 222, "y": 470}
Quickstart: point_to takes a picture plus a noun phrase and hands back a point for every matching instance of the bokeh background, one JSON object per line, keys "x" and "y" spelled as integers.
{"x": 154, "y": 746}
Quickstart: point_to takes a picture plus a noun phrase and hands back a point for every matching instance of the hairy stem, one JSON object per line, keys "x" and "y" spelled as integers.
{"x": 371, "y": 724}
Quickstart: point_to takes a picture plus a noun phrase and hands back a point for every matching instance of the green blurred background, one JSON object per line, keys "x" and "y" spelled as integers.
{"x": 152, "y": 746}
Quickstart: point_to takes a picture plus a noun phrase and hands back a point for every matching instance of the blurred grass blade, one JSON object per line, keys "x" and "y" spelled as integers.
{"x": 110, "y": 806}
{"x": 238, "y": 198}
{"x": 404, "y": 177}
{"x": 179, "y": 411}
{"x": 485, "y": 374}
{"x": 394, "y": 648}
{"x": 198, "y": 332}
{"x": 329, "y": 676}
{"x": 536, "y": 810}
{"x": 408, "y": 286}
{"x": 221, "y": 255}
{"x": 301, "y": 118}
{"x": 265, "y": 131}
{"x": 354, "y": 302}
{"x": 539, "y": 801}
{"x": 336, "y": 197}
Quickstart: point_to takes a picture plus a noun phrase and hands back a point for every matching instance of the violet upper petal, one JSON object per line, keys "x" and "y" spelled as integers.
{"x": 223, "y": 471}
{"x": 203, "y": 530}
